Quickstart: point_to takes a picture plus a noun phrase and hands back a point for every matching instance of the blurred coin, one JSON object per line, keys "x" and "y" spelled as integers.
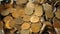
{"x": 57, "y": 13}
{"x": 20, "y": 2}
{"x": 18, "y": 13}
{"x": 25, "y": 26}
{"x": 7, "y": 20}
{"x": 38, "y": 10}
{"x": 47, "y": 7}
{"x": 34, "y": 19}
{"x": 5, "y": 12}
{"x": 18, "y": 20}
{"x": 24, "y": 31}
{"x": 26, "y": 18}
{"x": 36, "y": 27}
{"x": 29, "y": 8}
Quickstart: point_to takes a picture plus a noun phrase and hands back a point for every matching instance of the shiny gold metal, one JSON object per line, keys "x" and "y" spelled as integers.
{"x": 35, "y": 27}
{"x": 38, "y": 10}
{"x": 34, "y": 19}
{"x": 25, "y": 26}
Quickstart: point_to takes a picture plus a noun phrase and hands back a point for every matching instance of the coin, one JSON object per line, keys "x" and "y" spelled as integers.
{"x": 5, "y": 12}
{"x": 35, "y": 27}
{"x": 47, "y": 7}
{"x": 20, "y": 2}
{"x": 18, "y": 14}
{"x": 38, "y": 10}
{"x": 18, "y": 20}
{"x": 57, "y": 13}
{"x": 7, "y": 18}
{"x": 34, "y": 19}
{"x": 29, "y": 8}
{"x": 26, "y": 18}
{"x": 25, "y": 26}
{"x": 24, "y": 31}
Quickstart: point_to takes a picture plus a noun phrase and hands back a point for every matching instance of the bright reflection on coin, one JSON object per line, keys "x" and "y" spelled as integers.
{"x": 25, "y": 26}
{"x": 34, "y": 19}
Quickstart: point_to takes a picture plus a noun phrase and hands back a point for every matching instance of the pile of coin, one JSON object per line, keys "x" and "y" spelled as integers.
{"x": 30, "y": 17}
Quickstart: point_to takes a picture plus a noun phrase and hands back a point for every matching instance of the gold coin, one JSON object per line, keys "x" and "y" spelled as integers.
{"x": 7, "y": 18}
{"x": 57, "y": 13}
{"x": 18, "y": 20}
{"x": 34, "y": 19}
{"x": 35, "y": 27}
{"x": 24, "y": 31}
{"x": 29, "y": 8}
{"x": 20, "y": 2}
{"x": 5, "y": 12}
{"x": 26, "y": 18}
{"x": 18, "y": 13}
{"x": 25, "y": 26}
{"x": 38, "y": 10}
{"x": 47, "y": 7}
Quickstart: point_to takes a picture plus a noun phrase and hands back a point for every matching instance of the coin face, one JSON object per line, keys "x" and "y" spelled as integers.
{"x": 25, "y": 26}
{"x": 24, "y": 31}
{"x": 35, "y": 27}
{"x": 34, "y": 19}
{"x": 5, "y": 12}
{"x": 29, "y": 8}
{"x": 47, "y": 7}
{"x": 57, "y": 13}
{"x": 18, "y": 20}
{"x": 38, "y": 10}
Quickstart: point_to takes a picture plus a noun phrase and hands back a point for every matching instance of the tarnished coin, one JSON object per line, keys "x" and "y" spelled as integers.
{"x": 38, "y": 10}
{"x": 24, "y": 31}
{"x": 35, "y": 27}
{"x": 26, "y": 18}
{"x": 20, "y": 2}
{"x": 56, "y": 23}
{"x": 5, "y": 12}
{"x": 57, "y": 13}
{"x": 18, "y": 20}
{"x": 34, "y": 19}
{"x": 29, "y": 8}
{"x": 47, "y": 7}
{"x": 25, "y": 26}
